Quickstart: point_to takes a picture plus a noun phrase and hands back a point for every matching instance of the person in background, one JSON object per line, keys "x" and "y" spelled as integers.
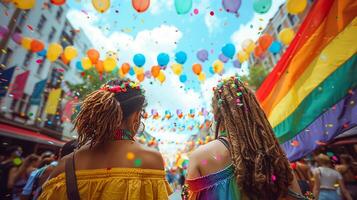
{"x": 303, "y": 175}
{"x": 348, "y": 170}
{"x": 38, "y": 177}
{"x": 108, "y": 120}
{"x": 326, "y": 177}
{"x": 47, "y": 158}
{"x": 245, "y": 160}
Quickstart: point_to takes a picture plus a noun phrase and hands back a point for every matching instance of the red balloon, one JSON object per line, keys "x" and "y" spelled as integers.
{"x": 265, "y": 41}
{"x": 93, "y": 55}
{"x": 258, "y": 51}
{"x": 58, "y": 2}
{"x": 36, "y": 45}
{"x": 140, "y": 5}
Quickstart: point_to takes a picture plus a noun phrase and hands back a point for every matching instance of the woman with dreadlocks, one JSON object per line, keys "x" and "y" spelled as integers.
{"x": 245, "y": 161}
{"x": 109, "y": 163}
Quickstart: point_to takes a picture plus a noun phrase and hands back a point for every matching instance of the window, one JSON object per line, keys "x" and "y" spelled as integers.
{"x": 41, "y": 24}
{"x": 6, "y": 57}
{"x": 59, "y": 13}
{"x": 52, "y": 34}
{"x": 28, "y": 59}
{"x": 22, "y": 19}
{"x": 292, "y": 19}
{"x": 278, "y": 29}
{"x": 20, "y": 106}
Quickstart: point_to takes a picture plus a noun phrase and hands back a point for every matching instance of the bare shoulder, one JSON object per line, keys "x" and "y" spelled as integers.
{"x": 150, "y": 158}
{"x": 60, "y": 168}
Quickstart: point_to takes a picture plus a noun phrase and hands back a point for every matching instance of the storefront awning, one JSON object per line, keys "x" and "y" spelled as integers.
{"x": 24, "y": 134}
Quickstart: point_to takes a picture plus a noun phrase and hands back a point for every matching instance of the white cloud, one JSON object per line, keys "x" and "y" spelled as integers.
{"x": 158, "y": 6}
{"x": 212, "y": 22}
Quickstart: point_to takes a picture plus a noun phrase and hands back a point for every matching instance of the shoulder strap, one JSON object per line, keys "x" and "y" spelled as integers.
{"x": 225, "y": 142}
{"x": 71, "y": 179}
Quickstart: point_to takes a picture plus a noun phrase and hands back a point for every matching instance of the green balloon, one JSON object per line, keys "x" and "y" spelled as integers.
{"x": 261, "y": 6}
{"x": 183, "y": 6}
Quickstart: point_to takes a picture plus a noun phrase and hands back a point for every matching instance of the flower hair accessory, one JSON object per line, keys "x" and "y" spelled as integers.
{"x": 121, "y": 88}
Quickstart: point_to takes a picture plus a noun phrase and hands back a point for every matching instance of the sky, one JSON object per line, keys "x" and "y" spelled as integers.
{"x": 160, "y": 29}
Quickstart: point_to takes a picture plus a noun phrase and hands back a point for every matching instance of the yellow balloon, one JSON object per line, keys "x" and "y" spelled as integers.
{"x": 54, "y": 51}
{"x": 26, "y": 43}
{"x": 218, "y": 66}
{"x": 202, "y": 77}
{"x": 86, "y": 63}
{"x": 177, "y": 68}
{"x": 161, "y": 77}
{"x": 101, "y": 5}
{"x": 286, "y": 35}
{"x": 248, "y": 45}
{"x": 109, "y": 64}
{"x": 24, "y": 4}
{"x": 295, "y": 6}
{"x": 242, "y": 56}
{"x": 70, "y": 52}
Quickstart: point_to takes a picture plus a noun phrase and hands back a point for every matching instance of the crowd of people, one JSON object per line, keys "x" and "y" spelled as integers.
{"x": 245, "y": 160}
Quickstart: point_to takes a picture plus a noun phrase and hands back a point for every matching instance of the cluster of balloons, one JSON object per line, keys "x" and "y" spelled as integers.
{"x": 93, "y": 60}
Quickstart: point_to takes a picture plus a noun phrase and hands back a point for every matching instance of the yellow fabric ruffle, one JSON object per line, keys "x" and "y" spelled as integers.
{"x": 115, "y": 183}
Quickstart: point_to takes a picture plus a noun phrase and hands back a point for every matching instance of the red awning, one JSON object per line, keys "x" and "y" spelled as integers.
{"x": 24, "y": 134}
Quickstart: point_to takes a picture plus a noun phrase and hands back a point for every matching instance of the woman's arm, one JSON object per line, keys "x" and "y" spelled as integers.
{"x": 344, "y": 191}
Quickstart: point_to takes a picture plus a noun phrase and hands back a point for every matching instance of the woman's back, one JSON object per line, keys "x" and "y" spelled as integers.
{"x": 328, "y": 177}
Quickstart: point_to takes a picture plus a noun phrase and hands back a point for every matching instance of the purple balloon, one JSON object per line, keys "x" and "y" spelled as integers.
{"x": 236, "y": 64}
{"x": 202, "y": 55}
{"x": 17, "y": 37}
{"x": 147, "y": 74}
{"x": 231, "y": 6}
{"x": 223, "y": 58}
{"x": 3, "y": 31}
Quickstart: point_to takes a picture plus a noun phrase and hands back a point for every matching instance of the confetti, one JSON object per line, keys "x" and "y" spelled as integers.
{"x": 137, "y": 162}
{"x": 273, "y": 178}
{"x": 211, "y": 13}
{"x": 130, "y": 156}
{"x": 204, "y": 162}
{"x": 295, "y": 143}
{"x": 39, "y": 61}
{"x": 30, "y": 27}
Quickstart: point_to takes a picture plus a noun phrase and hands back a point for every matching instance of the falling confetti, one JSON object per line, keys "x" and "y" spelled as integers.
{"x": 30, "y": 27}
{"x": 137, "y": 162}
{"x": 130, "y": 156}
{"x": 211, "y": 13}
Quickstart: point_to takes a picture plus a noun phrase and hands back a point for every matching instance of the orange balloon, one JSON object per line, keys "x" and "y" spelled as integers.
{"x": 140, "y": 5}
{"x": 99, "y": 66}
{"x": 140, "y": 77}
{"x": 64, "y": 59}
{"x": 155, "y": 71}
{"x": 125, "y": 68}
{"x": 258, "y": 51}
{"x": 265, "y": 41}
{"x": 36, "y": 45}
{"x": 93, "y": 55}
{"x": 197, "y": 68}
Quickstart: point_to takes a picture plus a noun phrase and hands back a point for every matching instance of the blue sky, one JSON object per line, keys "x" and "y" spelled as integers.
{"x": 161, "y": 29}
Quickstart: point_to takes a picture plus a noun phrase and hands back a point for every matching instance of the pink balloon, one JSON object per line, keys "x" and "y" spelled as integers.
{"x": 17, "y": 37}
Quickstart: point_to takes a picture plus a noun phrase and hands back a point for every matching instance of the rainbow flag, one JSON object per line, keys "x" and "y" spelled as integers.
{"x": 310, "y": 96}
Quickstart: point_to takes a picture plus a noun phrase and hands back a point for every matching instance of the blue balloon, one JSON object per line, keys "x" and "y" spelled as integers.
{"x": 211, "y": 70}
{"x": 229, "y": 50}
{"x": 139, "y": 60}
{"x": 163, "y": 59}
{"x": 131, "y": 71}
{"x": 183, "y": 78}
{"x": 181, "y": 57}
{"x": 42, "y": 53}
{"x": 275, "y": 47}
{"x": 79, "y": 66}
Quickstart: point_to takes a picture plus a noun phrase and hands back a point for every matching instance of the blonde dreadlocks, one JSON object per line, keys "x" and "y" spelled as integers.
{"x": 261, "y": 167}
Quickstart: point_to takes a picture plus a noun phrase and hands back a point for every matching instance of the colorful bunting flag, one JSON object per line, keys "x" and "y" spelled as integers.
{"x": 52, "y": 101}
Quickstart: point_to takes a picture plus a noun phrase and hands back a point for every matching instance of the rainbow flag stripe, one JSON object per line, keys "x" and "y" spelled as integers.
{"x": 317, "y": 71}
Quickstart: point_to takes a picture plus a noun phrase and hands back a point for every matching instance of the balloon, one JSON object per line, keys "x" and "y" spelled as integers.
{"x": 161, "y": 77}
{"x": 139, "y": 60}
{"x": 79, "y": 66}
{"x": 181, "y": 57}
{"x": 265, "y": 41}
{"x": 197, "y": 68}
{"x": 147, "y": 74}
{"x": 26, "y": 43}
{"x": 261, "y": 6}
{"x": 202, "y": 55}
{"x": 231, "y": 6}
{"x": 138, "y": 70}
{"x": 223, "y": 58}
{"x": 24, "y": 4}
{"x": 258, "y": 51}
{"x": 229, "y": 50}
{"x": 242, "y": 56}
{"x": 58, "y": 2}
{"x": 163, "y": 59}
{"x": 155, "y": 71}
{"x": 177, "y": 68}
{"x": 70, "y": 52}
{"x": 42, "y": 53}
{"x": 120, "y": 73}
{"x": 17, "y": 37}
{"x": 3, "y": 31}
{"x": 101, "y": 5}
{"x": 275, "y": 47}
{"x": 248, "y": 46}
{"x": 286, "y": 35}
{"x": 183, "y": 6}
{"x": 236, "y": 64}
{"x": 54, "y": 51}
{"x": 218, "y": 66}
{"x": 202, "y": 77}
{"x": 64, "y": 59}
{"x": 86, "y": 63}
{"x": 131, "y": 71}
{"x": 140, "y": 5}
{"x": 36, "y": 45}
{"x": 211, "y": 70}
{"x": 140, "y": 77}
{"x": 99, "y": 66}
{"x": 109, "y": 64}
{"x": 125, "y": 68}
{"x": 295, "y": 6}
{"x": 93, "y": 55}
{"x": 183, "y": 78}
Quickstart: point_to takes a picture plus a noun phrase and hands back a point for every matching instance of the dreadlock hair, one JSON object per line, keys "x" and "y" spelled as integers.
{"x": 103, "y": 111}
{"x": 261, "y": 168}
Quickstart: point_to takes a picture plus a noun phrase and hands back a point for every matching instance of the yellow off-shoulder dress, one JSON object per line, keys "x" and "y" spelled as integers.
{"x": 115, "y": 183}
